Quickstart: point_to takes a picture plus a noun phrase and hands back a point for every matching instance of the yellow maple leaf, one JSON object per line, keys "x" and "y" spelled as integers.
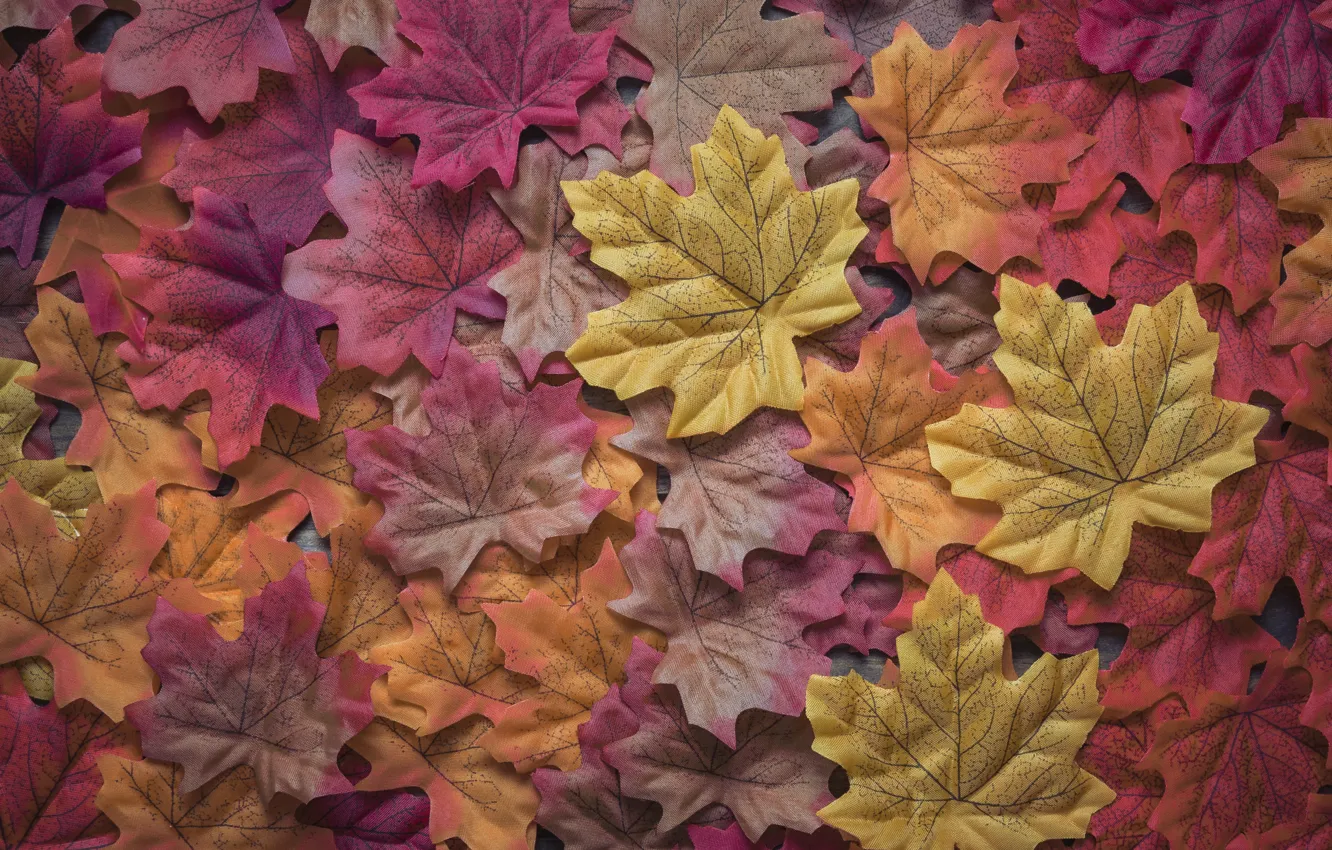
{"x": 722, "y": 280}
{"x": 959, "y": 753}
{"x": 1100, "y": 437}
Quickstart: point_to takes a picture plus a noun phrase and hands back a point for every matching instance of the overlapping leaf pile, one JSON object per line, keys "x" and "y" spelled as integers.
{"x": 619, "y": 408}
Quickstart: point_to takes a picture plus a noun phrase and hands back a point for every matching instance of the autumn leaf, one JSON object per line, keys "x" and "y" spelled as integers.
{"x": 575, "y": 653}
{"x": 65, "y": 489}
{"x": 1238, "y": 765}
{"x": 366, "y": 820}
{"x": 874, "y": 591}
{"x": 147, "y": 800}
{"x": 716, "y": 331}
{"x": 1082, "y": 248}
{"x": 18, "y": 305}
{"x": 265, "y": 700}
{"x": 58, "y": 143}
{"x": 839, "y": 345}
{"x": 126, "y": 446}
{"x": 845, "y": 155}
{"x": 1136, "y": 124}
{"x": 1309, "y": 834}
{"x": 1152, "y": 266}
{"x": 956, "y": 319}
{"x": 472, "y": 796}
{"x": 221, "y": 323}
{"x": 213, "y": 48}
{"x": 1311, "y": 404}
{"x": 1247, "y": 60}
{"x": 486, "y": 73}
{"x": 961, "y": 155}
{"x": 40, "y": 14}
{"x": 340, "y": 24}
{"x": 50, "y": 773}
{"x": 273, "y": 153}
{"x": 706, "y": 54}
{"x": 411, "y": 258}
{"x": 497, "y": 465}
{"x": 1177, "y": 641}
{"x": 868, "y": 25}
{"x": 925, "y": 767}
{"x": 770, "y": 776}
{"x": 1304, "y": 301}
{"x": 297, "y": 452}
{"x": 82, "y": 605}
{"x": 868, "y": 425}
{"x": 1299, "y": 166}
{"x": 1311, "y": 652}
{"x": 734, "y": 493}
{"x": 361, "y": 591}
{"x": 1074, "y": 466}
{"x": 608, "y": 467}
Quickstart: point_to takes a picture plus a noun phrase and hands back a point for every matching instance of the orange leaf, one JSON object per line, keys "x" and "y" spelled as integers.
{"x": 609, "y": 468}
{"x": 361, "y": 592}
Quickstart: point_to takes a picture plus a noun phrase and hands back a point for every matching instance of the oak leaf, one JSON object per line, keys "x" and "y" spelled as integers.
{"x": 1311, "y": 404}
{"x": 361, "y": 590}
{"x": 1071, "y": 463}
{"x": 486, "y": 73}
{"x": 1238, "y": 764}
{"x": 340, "y": 24}
{"x": 82, "y": 605}
{"x": 961, "y": 155}
{"x": 769, "y": 778}
{"x": 265, "y": 699}
{"x": 869, "y": 425}
{"x": 1304, "y": 301}
{"x": 497, "y": 465}
{"x": 213, "y": 48}
{"x": 705, "y": 54}
{"x": 720, "y": 287}
{"x": 221, "y": 323}
{"x": 147, "y": 800}
{"x": 925, "y": 766}
{"x": 956, "y": 319}
{"x": 58, "y": 143}
{"x": 273, "y": 152}
{"x": 472, "y": 796}
{"x": 410, "y": 260}
{"x": 737, "y": 492}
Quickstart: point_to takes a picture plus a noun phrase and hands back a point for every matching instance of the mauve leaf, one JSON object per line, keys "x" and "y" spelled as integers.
{"x": 339, "y": 24}
{"x": 18, "y": 305}
{"x": 875, "y": 591}
{"x": 839, "y": 345}
{"x": 40, "y": 14}
{"x": 372, "y": 820}
{"x": 956, "y": 319}
{"x": 868, "y": 25}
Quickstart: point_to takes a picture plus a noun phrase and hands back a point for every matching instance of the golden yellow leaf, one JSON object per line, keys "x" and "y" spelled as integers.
{"x": 722, "y": 280}
{"x": 958, "y": 754}
{"x": 68, "y": 491}
{"x": 1100, "y": 437}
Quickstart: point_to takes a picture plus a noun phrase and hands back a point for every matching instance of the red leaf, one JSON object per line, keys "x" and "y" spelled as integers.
{"x": 1249, "y": 59}
{"x": 487, "y": 72}
{"x": 411, "y": 258}
{"x": 1137, "y": 125}
{"x": 874, "y": 592}
{"x": 1174, "y": 644}
{"x": 1273, "y": 519}
{"x": 1311, "y": 404}
{"x": 730, "y": 838}
{"x": 221, "y": 323}
{"x": 273, "y": 154}
{"x": 1053, "y": 633}
{"x": 39, "y": 14}
{"x": 1152, "y": 265}
{"x": 18, "y": 305}
{"x": 601, "y": 113}
{"x": 57, "y": 142}
{"x": 497, "y": 465}
{"x": 771, "y": 777}
{"x": 1312, "y": 833}
{"x": 1238, "y": 765}
{"x": 214, "y": 48}
{"x": 266, "y": 699}
{"x": 839, "y": 345}
{"x": 1313, "y": 652}
{"x": 370, "y": 820}
{"x": 1081, "y": 249}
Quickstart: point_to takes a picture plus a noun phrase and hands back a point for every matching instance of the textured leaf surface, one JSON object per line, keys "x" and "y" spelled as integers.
{"x": 1313, "y": 652}
{"x": 1311, "y": 405}
{"x": 722, "y": 280}
{"x": 868, "y": 25}
{"x": 340, "y": 24}
{"x": 362, "y": 593}
{"x": 926, "y": 767}
{"x": 1304, "y": 302}
{"x": 39, "y": 14}
{"x": 956, "y": 319}
{"x": 1082, "y": 248}
{"x": 65, "y": 489}
{"x": 370, "y": 820}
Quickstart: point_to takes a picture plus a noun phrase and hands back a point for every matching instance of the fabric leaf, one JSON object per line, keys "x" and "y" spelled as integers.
{"x": 1311, "y": 404}
{"x": 339, "y": 24}
{"x": 1304, "y": 302}
{"x": 868, "y": 25}
{"x": 956, "y": 319}
{"x": 362, "y": 593}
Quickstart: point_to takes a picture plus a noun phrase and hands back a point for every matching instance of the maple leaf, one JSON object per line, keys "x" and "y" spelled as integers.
{"x": 705, "y": 54}
{"x": 1272, "y": 520}
{"x": 126, "y": 446}
{"x": 1152, "y": 265}
{"x": 472, "y": 796}
{"x": 1082, "y": 248}
{"x": 265, "y": 700}
{"x": 411, "y": 258}
{"x": 1136, "y": 124}
{"x": 926, "y": 769}
{"x": 40, "y": 14}
{"x": 956, "y": 319}
{"x": 273, "y": 153}
{"x": 496, "y": 465}
{"x": 1304, "y": 302}
{"x": 1055, "y": 635}
{"x": 64, "y": 489}
{"x": 1238, "y": 765}
{"x": 770, "y": 776}
{"x": 734, "y": 493}
{"x": 18, "y": 306}
{"x": 1299, "y": 166}
{"x": 1311, "y": 404}
{"x": 1309, "y": 834}
{"x": 720, "y": 288}
{"x": 50, "y": 773}
{"x": 839, "y": 345}
{"x": 221, "y": 323}
{"x": 1073, "y": 465}
{"x": 874, "y": 591}
{"x": 486, "y": 74}
{"x": 57, "y": 143}
{"x": 361, "y": 592}
{"x": 149, "y": 803}
{"x": 367, "y": 820}
{"x": 309, "y": 455}
{"x": 729, "y": 651}
{"x": 845, "y": 155}
{"x": 549, "y": 291}
{"x": 868, "y": 425}
{"x": 1310, "y": 651}
{"x": 81, "y": 604}
{"x": 1248, "y": 61}
{"x": 213, "y": 48}
{"x": 868, "y": 25}
{"x": 340, "y": 24}
{"x": 960, "y": 154}
{"x": 450, "y": 665}
{"x": 608, "y": 467}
